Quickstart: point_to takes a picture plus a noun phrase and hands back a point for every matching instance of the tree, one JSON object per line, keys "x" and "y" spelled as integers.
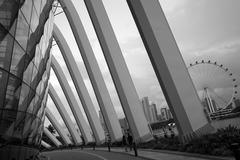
{"x": 51, "y": 129}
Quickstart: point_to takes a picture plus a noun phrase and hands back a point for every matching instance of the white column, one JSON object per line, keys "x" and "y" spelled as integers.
{"x": 51, "y": 137}
{"x": 169, "y": 67}
{"x": 58, "y": 127}
{"x": 119, "y": 71}
{"x": 82, "y": 124}
{"x": 92, "y": 67}
{"x": 45, "y": 144}
{"x": 64, "y": 114}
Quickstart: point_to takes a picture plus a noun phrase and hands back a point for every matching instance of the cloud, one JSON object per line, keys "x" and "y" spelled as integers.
{"x": 221, "y": 49}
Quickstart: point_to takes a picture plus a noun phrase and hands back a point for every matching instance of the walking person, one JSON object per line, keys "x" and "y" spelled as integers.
{"x": 83, "y": 142}
{"x": 130, "y": 141}
{"x": 124, "y": 142}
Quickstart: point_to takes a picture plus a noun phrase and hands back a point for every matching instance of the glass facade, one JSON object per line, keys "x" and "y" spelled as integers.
{"x": 25, "y": 44}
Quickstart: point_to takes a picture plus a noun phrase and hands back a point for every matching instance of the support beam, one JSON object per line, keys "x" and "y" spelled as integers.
{"x": 45, "y": 144}
{"x": 51, "y": 137}
{"x": 64, "y": 114}
{"x": 119, "y": 71}
{"x": 99, "y": 87}
{"x": 82, "y": 124}
{"x": 58, "y": 127}
{"x": 170, "y": 68}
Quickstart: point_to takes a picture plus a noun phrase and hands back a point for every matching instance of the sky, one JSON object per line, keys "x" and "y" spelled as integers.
{"x": 203, "y": 29}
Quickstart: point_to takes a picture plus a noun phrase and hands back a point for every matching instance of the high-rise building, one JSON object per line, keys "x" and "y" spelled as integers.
{"x": 150, "y": 110}
{"x": 146, "y": 106}
{"x": 164, "y": 113}
{"x": 25, "y": 43}
{"x": 153, "y": 113}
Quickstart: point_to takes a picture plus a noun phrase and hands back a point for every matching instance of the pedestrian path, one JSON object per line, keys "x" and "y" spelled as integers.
{"x": 166, "y": 155}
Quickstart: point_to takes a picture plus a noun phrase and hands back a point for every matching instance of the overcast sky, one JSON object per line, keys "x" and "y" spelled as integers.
{"x": 203, "y": 29}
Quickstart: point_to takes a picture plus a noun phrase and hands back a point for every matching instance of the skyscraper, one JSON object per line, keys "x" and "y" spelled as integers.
{"x": 146, "y": 106}
{"x": 25, "y": 43}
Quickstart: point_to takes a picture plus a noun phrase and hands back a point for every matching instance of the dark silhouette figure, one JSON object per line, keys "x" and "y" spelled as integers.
{"x": 130, "y": 141}
{"x": 83, "y": 142}
{"x": 124, "y": 142}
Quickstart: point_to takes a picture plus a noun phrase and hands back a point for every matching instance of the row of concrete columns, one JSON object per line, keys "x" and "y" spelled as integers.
{"x": 165, "y": 58}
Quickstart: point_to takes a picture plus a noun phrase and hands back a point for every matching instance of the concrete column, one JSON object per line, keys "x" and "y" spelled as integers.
{"x": 92, "y": 67}
{"x": 119, "y": 71}
{"x": 51, "y": 137}
{"x": 169, "y": 67}
{"x": 82, "y": 124}
{"x": 45, "y": 144}
{"x": 64, "y": 114}
{"x": 58, "y": 127}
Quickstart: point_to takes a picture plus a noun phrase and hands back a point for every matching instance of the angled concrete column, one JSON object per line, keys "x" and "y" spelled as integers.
{"x": 58, "y": 127}
{"x": 45, "y": 144}
{"x": 92, "y": 67}
{"x": 64, "y": 114}
{"x": 86, "y": 102}
{"x": 51, "y": 137}
{"x": 82, "y": 124}
{"x": 169, "y": 68}
{"x": 119, "y": 71}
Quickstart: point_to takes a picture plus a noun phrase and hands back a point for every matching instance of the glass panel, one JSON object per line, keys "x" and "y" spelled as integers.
{"x": 8, "y": 15}
{"x": 34, "y": 20}
{"x": 37, "y": 57}
{"x": 27, "y": 10}
{"x": 3, "y": 80}
{"x": 34, "y": 76}
{"x": 27, "y": 125}
{"x": 18, "y": 59}
{"x": 23, "y": 101}
{"x": 27, "y": 75}
{"x": 39, "y": 87}
{"x": 12, "y": 93}
{"x": 22, "y": 31}
{"x": 31, "y": 101}
{"x": 43, "y": 4}
{"x": 37, "y": 4}
{"x": 6, "y": 47}
{"x": 7, "y": 122}
{"x": 19, "y": 124}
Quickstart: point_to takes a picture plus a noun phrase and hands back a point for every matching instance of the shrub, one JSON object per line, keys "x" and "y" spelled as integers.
{"x": 217, "y": 143}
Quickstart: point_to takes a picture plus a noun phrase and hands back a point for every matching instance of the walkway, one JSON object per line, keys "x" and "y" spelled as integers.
{"x": 88, "y": 154}
{"x": 120, "y": 154}
{"x": 166, "y": 155}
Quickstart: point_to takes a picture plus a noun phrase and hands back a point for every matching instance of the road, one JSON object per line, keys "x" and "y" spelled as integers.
{"x": 88, "y": 155}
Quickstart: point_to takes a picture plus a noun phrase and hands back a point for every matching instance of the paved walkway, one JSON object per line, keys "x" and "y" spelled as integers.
{"x": 166, "y": 155}
{"x": 87, "y": 154}
{"x": 120, "y": 154}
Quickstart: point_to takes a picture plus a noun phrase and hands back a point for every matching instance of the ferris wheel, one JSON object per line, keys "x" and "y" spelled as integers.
{"x": 216, "y": 85}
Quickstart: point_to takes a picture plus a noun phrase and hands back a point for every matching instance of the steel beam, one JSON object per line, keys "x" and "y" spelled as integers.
{"x": 93, "y": 70}
{"x": 58, "y": 127}
{"x": 119, "y": 71}
{"x": 170, "y": 68}
{"x": 82, "y": 124}
{"x": 95, "y": 76}
{"x": 51, "y": 137}
{"x": 64, "y": 114}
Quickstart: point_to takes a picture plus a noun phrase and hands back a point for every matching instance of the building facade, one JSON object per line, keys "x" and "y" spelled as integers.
{"x": 25, "y": 44}
{"x": 153, "y": 113}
